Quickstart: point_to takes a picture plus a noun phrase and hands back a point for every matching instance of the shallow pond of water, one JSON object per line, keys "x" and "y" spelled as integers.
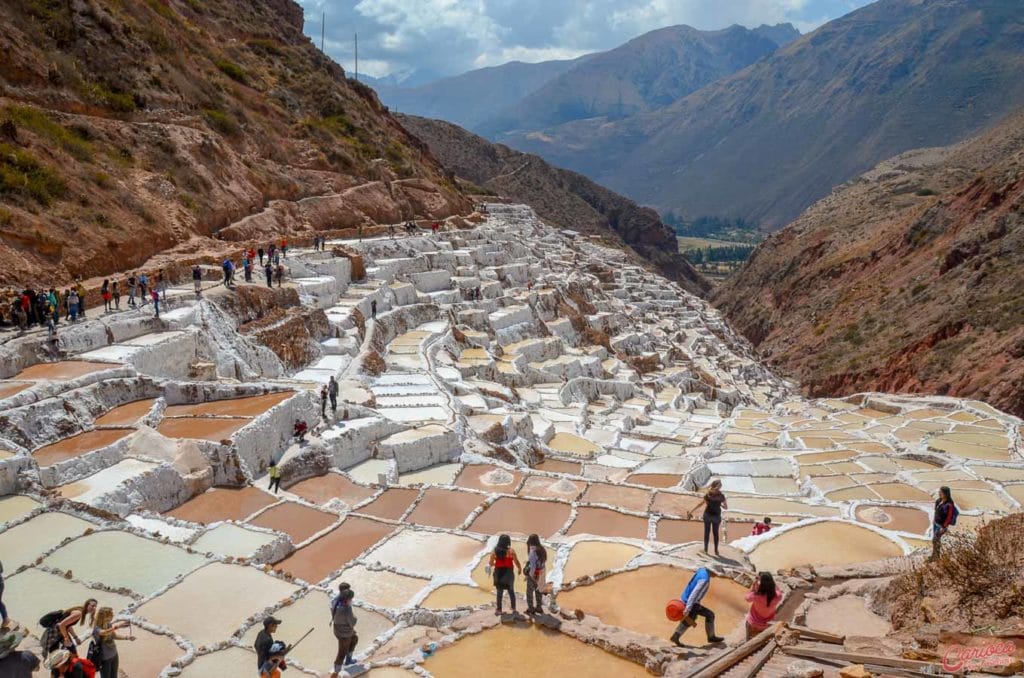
{"x": 148, "y": 654}
{"x": 232, "y": 540}
{"x": 427, "y": 554}
{"x": 15, "y": 506}
{"x": 604, "y": 522}
{"x": 632, "y": 498}
{"x": 380, "y": 587}
{"x": 62, "y": 371}
{"x": 127, "y": 414}
{"x": 522, "y": 516}
{"x": 223, "y": 503}
{"x": 296, "y": 520}
{"x": 488, "y": 478}
{"x": 591, "y": 557}
{"x": 570, "y": 444}
{"x": 76, "y": 446}
{"x": 899, "y": 518}
{"x": 847, "y": 616}
{"x": 199, "y": 428}
{"x": 451, "y": 596}
{"x": 22, "y": 544}
{"x": 32, "y": 593}
{"x": 232, "y": 407}
{"x": 322, "y": 489}
{"x": 516, "y": 651}
{"x": 391, "y": 504}
{"x": 444, "y": 508}
{"x": 231, "y": 662}
{"x": 332, "y": 551}
{"x": 824, "y": 543}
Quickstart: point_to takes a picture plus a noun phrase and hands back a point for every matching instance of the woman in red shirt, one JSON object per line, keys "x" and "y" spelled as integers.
{"x": 764, "y": 601}
{"x": 503, "y": 559}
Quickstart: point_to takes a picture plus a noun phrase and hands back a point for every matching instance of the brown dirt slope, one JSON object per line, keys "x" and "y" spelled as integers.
{"x": 128, "y": 127}
{"x": 566, "y": 199}
{"x": 905, "y": 279}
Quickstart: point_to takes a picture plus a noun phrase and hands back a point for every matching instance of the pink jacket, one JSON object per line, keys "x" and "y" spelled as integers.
{"x": 762, "y": 612}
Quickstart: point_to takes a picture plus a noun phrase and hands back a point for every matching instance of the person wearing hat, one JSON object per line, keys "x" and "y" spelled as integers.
{"x": 15, "y": 663}
{"x": 264, "y": 641}
{"x": 343, "y": 619}
{"x": 275, "y": 662}
{"x": 66, "y": 665}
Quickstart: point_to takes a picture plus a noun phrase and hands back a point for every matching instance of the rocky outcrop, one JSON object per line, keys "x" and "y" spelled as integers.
{"x": 906, "y": 279}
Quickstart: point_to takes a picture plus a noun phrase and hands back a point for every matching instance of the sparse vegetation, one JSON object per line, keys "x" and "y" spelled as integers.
{"x": 232, "y": 70}
{"x": 102, "y": 95}
{"x": 39, "y": 123}
{"x": 925, "y": 191}
{"x": 22, "y": 174}
{"x": 221, "y": 121}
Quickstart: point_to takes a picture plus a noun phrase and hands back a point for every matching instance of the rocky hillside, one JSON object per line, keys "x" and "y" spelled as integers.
{"x": 473, "y": 99}
{"x": 646, "y": 73}
{"x": 129, "y": 127}
{"x": 564, "y": 198}
{"x": 767, "y": 142}
{"x": 906, "y": 279}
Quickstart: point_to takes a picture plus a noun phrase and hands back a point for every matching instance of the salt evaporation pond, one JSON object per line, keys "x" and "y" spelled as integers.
{"x": 232, "y": 407}
{"x": 334, "y": 550}
{"x": 16, "y": 506}
{"x": 522, "y": 516}
{"x": 604, "y": 522}
{"x": 297, "y": 521}
{"x": 591, "y": 557}
{"x": 32, "y": 593}
{"x": 830, "y": 542}
{"x": 76, "y": 446}
{"x": 444, "y": 508}
{"x": 847, "y": 616}
{"x": 62, "y": 371}
{"x": 199, "y": 428}
{"x": 8, "y": 388}
{"x": 513, "y": 652}
{"x": 148, "y": 654}
{"x": 127, "y": 414}
{"x": 122, "y": 559}
{"x": 451, "y": 596}
{"x": 449, "y": 553}
{"x": 322, "y": 489}
{"x": 381, "y": 587}
{"x": 23, "y": 543}
{"x": 231, "y": 662}
{"x": 222, "y": 503}
{"x": 488, "y": 478}
{"x": 232, "y": 540}
{"x": 229, "y": 593}
{"x": 635, "y": 600}
{"x": 391, "y": 504}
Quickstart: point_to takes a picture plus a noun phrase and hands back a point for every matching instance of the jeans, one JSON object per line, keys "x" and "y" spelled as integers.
{"x": 534, "y": 598}
{"x": 3, "y": 608}
{"x": 711, "y": 524}
{"x": 108, "y": 667}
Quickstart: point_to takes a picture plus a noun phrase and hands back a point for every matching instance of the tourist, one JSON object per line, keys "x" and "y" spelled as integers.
{"x": 713, "y": 502}
{"x": 762, "y": 527}
{"x": 274, "y": 471}
{"x": 261, "y": 253}
{"x": 268, "y": 270}
{"x": 692, "y": 595}
{"x": 299, "y": 430}
{"x": 197, "y": 279}
{"x": 271, "y": 251}
{"x": 279, "y": 274}
{"x": 252, "y": 257}
{"x": 946, "y": 514}
{"x": 228, "y": 269}
{"x": 161, "y": 284}
{"x": 391, "y": 231}
{"x": 284, "y": 248}
{"x": 332, "y": 392}
{"x": 15, "y": 663}
{"x": 54, "y": 299}
{"x": 143, "y": 287}
{"x": 503, "y": 560}
{"x": 343, "y": 619}
{"x": 66, "y": 665}
{"x": 104, "y": 634}
{"x": 323, "y": 401}
{"x": 156, "y": 302}
{"x": 247, "y": 267}
{"x": 132, "y": 284}
{"x": 275, "y": 661}
{"x": 106, "y": 295}
{"x": 71, "y": 300}
{"x": 359, "y": 231}
{"x": 265, "y": 640}
{"x": 5, "y": 621}
{"x": 373, "y": 309}
{"x": 115, "y": 292}
{"x": 536, "y": 562}
{"x": 80, "y": 289}
{"x": 82, "y": 615}
{"x": 764, "y": 601}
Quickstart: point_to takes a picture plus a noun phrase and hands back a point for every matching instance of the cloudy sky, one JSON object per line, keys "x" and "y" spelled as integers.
{"x": 448, "y": 37}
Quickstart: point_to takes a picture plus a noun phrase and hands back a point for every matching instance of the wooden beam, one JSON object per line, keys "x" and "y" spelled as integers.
{"x": 724, "y": 662}
{"x": 854, "y": 658}
{"x": 819, "y": 635}
{"x": 759, "y": 663}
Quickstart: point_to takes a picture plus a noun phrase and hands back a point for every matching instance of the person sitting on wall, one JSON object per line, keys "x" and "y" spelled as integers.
{"x": 300, "y": 430}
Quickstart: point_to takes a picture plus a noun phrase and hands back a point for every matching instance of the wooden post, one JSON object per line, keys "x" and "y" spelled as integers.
{"x": 759, "y": 663}
{"x": 854, "y": 658}
{"x": 724, "y": 662}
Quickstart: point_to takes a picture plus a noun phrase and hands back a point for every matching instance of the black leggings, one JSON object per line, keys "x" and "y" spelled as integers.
{"x": 108, "y": 667}
{"x": 711, "y": 524}
{"x": 505, "y": 581}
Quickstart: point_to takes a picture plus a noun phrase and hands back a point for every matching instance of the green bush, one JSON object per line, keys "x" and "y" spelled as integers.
{"x": 39, "y": 123}
{"x": 221, "y": 121}
{"x": 22, "y": 174}
{"x": 232, "y": 70}
{"x": 102, "y": 95}
{"x": 925, "y": 191}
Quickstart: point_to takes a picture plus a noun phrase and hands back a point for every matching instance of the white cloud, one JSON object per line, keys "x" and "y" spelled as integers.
{"x": 452, "y": 36}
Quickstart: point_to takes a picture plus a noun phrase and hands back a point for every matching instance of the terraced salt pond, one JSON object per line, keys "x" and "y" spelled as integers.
{"x": 77, "y": 445}
{"x": 834, "y": 543}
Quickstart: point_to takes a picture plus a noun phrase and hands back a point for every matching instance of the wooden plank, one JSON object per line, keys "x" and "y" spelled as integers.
{"x": 724, "y": 662}
{"x": 759, "y": 663}
{"x": 853, "y": 658}
{"x": 819, "y": 635}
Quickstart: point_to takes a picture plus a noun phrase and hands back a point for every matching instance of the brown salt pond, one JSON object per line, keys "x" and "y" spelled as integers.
{"x": 198, "y": 428}
{"x": 380, "y": 587}
{"x": 680, "y": 531}
{"x": 545, "y": 487}
{"x": 450, "y": 596}
{"x": 847, "y": 616}
{"x": 297, "y": 521}
{"x": 632, "y": 498}
{"x": 673, "y": 504}
{"x": 322, "y": 489}
{"x": 127, "y": 414}
{"x": 570, "y": 444}
{"x": 232, "y": 407}
{"x": 522, "y": 516}
{"x": 515, "y": 651}
{"x": 9, "y": 388}
{"x": 900, "y": 518}
{"x": 636, "y": 599}
{"x": 62, "y": 371}
{"x": 591, "y": 557}
{"x": 76, "y": 446}
{"x": 826, "y": 543}
{"x": 222, "y": 503}
{"x": 662, "y": 480}
{"x": 900, "y": 492}
{"x": 486, "y": 477}
{"x": 558, "y": 466}
{"x": 391, "y": 504}
{"x": 604, "y": 522}
{"x": 444, "y": 508}
{"x": 314, "y": 561}
{"x": 427, "y": 554}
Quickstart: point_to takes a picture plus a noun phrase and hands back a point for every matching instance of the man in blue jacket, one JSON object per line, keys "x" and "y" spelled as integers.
{"x": 692, "y": 596}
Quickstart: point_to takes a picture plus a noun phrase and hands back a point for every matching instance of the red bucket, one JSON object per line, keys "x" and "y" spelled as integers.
{"x": 675, "y": 609}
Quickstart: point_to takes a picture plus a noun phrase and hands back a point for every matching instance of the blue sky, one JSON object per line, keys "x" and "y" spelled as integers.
{"x": 453, "y": 36}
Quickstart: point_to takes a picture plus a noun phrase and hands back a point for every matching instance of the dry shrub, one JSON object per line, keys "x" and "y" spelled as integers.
{"x": 597, "y": 338}
{"x": 373, "y": 364}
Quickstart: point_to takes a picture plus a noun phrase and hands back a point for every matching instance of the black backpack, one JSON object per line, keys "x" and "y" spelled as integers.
{"x": 50, "y": 619}
{"x": 95, "y": 653}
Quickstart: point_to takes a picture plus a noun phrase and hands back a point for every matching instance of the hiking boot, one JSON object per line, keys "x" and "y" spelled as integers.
{"x": 715, "y": 639}
{"x": 675, "y": 640}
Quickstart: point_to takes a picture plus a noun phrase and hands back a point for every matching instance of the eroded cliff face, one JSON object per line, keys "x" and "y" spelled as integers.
{"x": 906, "y": 279}
{"x": 127, "y": 128}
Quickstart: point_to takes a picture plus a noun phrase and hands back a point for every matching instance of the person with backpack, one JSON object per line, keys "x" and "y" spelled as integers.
{"x": 764, "y": 601}
{"x": 103, "y": 648}
{"x": 503, "y": 560}
{"x": 82, "y": 615}
{"x": 343, "y": 621}
{"x": 63, "y": 664}
{"x": 15, "y": 663}
{"x": 713, "y": 502}
{"x": 692, "y": 596}
{"x": 536, "y": 562}
{"x": 945, "y": 517}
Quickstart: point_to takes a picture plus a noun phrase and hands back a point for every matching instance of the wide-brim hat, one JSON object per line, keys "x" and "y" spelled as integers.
{"x": 56, "y": 659}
